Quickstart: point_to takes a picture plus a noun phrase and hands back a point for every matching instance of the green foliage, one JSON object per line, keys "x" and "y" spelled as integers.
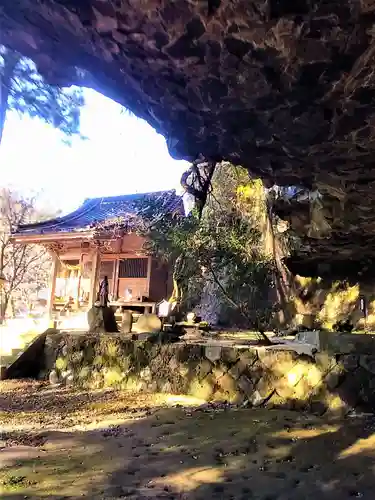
{"x": 225, "y": 246}
{"x": 24, "y": 90}
{"x": 166, "y": 231}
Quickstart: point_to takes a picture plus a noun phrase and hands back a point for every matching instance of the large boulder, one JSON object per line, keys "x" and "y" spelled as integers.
{"x": 101, "y": 320}
{"x": 147, "y": 323}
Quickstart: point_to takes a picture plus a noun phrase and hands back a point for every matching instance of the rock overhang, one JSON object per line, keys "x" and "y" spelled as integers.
{"x": 285, "y": 89}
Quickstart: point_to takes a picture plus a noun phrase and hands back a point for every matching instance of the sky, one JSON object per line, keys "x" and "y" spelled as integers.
{"x": 122, "y": 155}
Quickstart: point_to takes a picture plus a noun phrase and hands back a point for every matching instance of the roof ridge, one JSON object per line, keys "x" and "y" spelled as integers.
{"x": 119, "y": 196}
{"x": 58, "y": 220}
{"x": 94, "y": 210}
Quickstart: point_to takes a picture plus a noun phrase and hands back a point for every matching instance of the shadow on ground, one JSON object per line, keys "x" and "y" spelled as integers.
{"x": 121, "y": 445}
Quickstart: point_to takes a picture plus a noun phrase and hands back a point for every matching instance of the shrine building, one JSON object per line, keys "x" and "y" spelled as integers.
{"x": 100, "y": 239}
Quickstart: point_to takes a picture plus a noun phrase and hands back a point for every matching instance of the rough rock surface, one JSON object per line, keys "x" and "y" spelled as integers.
{"x": 101, "y": 320}
{"x": 284, "y": 88}
{"x": 147, "y": 323}
{"x": 252, "y": 376}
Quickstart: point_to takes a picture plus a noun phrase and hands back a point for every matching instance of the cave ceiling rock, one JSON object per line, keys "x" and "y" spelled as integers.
{"x": 285, "y": 89}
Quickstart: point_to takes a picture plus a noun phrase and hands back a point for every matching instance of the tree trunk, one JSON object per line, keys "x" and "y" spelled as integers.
{"x": 13, "y": 305}
{"x": 283, "y": 281}
{"x": 259, "y": 327}
{"x": 197, "y": 182}
{"x": 177, "y": 292}
{"x": 4, "y": 300}
{"x": 10, "y": 59}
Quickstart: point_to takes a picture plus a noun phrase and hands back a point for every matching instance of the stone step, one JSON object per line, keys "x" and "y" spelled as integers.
{"x": 6, "y": 352}
{"x": 16, "y": 352}
{"x": 7, "y": 360}
{"x": 20, "y": 346}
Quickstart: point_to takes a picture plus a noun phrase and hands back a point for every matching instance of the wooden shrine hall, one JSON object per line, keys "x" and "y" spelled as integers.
{"x": 100, "y": 239}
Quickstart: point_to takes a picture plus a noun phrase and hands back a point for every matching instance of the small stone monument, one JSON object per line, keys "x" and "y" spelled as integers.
{"x": 190, "y": 317}
{"x": 95, "y": 319}
{"x": 100, "y": 317}
{"x": 126, "y": 322}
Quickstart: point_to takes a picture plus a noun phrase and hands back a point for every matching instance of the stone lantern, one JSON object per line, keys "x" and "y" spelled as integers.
{"x": 164, "y": 309}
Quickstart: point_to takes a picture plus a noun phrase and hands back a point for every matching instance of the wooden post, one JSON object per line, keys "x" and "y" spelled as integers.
{"x": 79, "y": 279}
{"x": 52, "y": 283}
{"x": 94, "y": 276}
{"x": 115, "y": 279}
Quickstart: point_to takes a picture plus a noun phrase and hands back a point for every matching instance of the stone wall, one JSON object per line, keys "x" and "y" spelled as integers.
{"x": 270, "y": 377}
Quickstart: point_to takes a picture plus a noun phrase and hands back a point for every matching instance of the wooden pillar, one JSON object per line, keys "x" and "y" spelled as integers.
{"x": 115, "y": 279}
{"x": 79, "y": 275}
{"x": 94, "y": 276}
{"x": 52, "y": 283}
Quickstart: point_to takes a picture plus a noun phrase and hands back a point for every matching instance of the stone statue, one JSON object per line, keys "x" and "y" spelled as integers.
{"x": 103, "y": 292}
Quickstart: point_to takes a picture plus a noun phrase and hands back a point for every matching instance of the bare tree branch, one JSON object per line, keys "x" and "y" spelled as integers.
{"x": 25, "y": 267}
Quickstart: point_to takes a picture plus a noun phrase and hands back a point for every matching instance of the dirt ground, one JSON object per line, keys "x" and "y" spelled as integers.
{"x": 60, "y": 444}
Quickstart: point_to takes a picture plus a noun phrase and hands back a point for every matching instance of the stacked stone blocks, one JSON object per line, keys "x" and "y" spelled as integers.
{"x": 241, "y": 375}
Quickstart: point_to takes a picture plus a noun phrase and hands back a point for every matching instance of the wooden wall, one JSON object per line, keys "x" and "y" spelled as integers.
{"x": 158, "y": 283}
{"x": 138, "y": 286}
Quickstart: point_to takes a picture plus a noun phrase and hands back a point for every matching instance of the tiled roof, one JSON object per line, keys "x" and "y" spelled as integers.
{"x": 95, "y": 211}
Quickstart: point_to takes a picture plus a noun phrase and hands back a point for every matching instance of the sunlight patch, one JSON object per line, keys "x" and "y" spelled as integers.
{"x": 190, "y": 479}
{"x": 366, "y": 445}
{"x": 184, "y": 400}
{"x": 307, "y": 433}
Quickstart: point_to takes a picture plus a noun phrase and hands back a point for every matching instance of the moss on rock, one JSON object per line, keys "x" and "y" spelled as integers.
{"x": 261, "y": 377}
{"x": 61, "y": 363}
{"x": 113, "y": 377}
